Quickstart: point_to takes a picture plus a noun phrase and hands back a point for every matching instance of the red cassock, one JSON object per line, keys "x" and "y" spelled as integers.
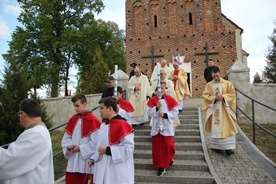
{"x": 163, "y": 147}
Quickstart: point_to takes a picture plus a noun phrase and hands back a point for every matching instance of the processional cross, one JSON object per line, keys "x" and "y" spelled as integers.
{"x": 152, "y": 56}
{"x": 206, "y": 53}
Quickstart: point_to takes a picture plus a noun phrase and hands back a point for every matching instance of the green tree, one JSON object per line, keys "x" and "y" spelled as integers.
{"x": 108, "y": 38}
{"x": 46, "y": 43}
{"x": 270, "y": 70}
{"x": 257, "y": 78}
{"x": 14, "y": 88}
{"x": 92, "y": 80}
{"x": 114, "y": 49}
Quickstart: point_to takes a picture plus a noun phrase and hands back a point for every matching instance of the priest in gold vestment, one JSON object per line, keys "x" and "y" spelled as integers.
{"x": 219, "y": 106}
{"x": 181, "y": 87}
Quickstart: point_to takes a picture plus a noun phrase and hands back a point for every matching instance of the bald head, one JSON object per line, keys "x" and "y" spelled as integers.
{"x": 163, "y": 63}
{"x": 137, "y": 72}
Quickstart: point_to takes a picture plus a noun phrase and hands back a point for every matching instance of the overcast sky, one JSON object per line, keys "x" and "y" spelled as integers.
{"x": 255, "y": 17}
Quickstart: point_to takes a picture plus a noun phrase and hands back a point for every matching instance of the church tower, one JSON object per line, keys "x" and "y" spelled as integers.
{"x": 157, "y": 29}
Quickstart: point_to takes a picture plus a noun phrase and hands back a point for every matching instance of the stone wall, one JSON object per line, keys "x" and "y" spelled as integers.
{"x": 62, "y": 108}
{"x": 264, "y": 93}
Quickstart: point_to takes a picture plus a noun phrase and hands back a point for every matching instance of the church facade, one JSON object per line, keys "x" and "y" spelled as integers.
{"x": 196, "y": 29}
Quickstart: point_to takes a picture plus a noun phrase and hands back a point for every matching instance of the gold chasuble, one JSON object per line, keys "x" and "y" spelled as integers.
{"x": 220, "y": 116}
{"x": 181, "y": 86}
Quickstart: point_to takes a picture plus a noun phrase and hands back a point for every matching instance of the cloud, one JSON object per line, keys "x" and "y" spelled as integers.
{"x": 12, "y": 9}
{"x": 5, "y": 30}
{"x": 114, "y": 11}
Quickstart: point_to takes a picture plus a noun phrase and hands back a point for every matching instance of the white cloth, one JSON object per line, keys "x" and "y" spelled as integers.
{"x": 170, "y": 91}
{"x": 180, "y": 105}
{"x": 125, "y": 114}
{"x": 115, "y": 169}
{"x": 29, "y": 159}
{"x": 77, "y": 162}
{"x": 168, "y": 123}
{"x": 154, "y": 78}
{"x": 138, "y": 99}
{"x": 223, "y": 143}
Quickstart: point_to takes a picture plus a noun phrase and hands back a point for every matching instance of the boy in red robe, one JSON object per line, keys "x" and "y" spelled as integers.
{"x": 163, "y": 111}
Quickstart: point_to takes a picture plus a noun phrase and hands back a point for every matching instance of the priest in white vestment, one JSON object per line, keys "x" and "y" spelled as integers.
{"x": 30, "y": 158}
{"x": 139, "y": 88}
{"x": 113, "y": 149}
{"x": 219, "y": 106}
{"x": 164, "y": 66}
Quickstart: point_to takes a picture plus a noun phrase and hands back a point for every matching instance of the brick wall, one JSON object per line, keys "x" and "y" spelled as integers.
{"x": 179, "y": 26}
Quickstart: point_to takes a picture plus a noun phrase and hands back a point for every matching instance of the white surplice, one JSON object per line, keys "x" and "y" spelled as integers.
{"x": 77, "y": 162}
{"x": 125, "y": 114}
{"x": 115, "y": 169}
{"x": 29, "y": 159}
{"x": 167, "y": 122}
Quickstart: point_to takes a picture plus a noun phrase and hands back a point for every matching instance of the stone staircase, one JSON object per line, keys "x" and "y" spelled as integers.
{"x": 190, "y": 164}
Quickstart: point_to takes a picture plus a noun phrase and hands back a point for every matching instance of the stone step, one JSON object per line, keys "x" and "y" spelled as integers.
{"x": 181, "y": 165}
{"x": 178, "y": 131}
{"x": 189, "y": 109}
{"x": 182, "y": 146}
{"x": 188, "y": 116}
{"x": 178, "y": 138}
{"x": 188, "y": 121}
{"x": 179, "y": 155}
{"x": 193, "y": 124}
{"x": 188, "y": 112}
{"x": 194, "y": 177}
{"x": 186, "y": 126}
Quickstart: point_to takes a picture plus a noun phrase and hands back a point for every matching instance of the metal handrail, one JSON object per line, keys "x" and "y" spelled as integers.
{"x": 252, "y": 120}
{"x": 52, "y": 129}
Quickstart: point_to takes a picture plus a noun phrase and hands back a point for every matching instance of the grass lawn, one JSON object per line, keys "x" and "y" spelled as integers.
{"x": 264, "y": 142}
{"x": 59, "y": 161}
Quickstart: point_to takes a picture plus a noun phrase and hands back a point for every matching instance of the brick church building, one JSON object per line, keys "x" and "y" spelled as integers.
{"x": 157, "y": 29}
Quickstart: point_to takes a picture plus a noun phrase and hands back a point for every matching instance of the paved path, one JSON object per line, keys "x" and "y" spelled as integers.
{"x": 248, "y": 165}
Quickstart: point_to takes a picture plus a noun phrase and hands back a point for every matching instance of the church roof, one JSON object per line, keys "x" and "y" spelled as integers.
{"x": 233, "y": 23}
{"x": 245, "y": 53}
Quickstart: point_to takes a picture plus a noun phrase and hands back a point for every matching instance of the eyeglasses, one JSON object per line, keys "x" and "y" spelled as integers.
{"x": 19, "y": 113}
{"x": 162, "y": 74}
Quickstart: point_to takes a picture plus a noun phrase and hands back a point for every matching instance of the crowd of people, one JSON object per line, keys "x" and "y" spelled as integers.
{"x": 101, "y": 150}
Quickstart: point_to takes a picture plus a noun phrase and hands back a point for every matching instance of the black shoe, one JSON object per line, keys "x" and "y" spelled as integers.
{"x": 142, "y": 124}
{"x": 180, "y": 110}
{"x": 215, "y": 150}
{"x": 161, "y": 171}
{"x": 171, "y": 163}
{"x": 229, "y": 152}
